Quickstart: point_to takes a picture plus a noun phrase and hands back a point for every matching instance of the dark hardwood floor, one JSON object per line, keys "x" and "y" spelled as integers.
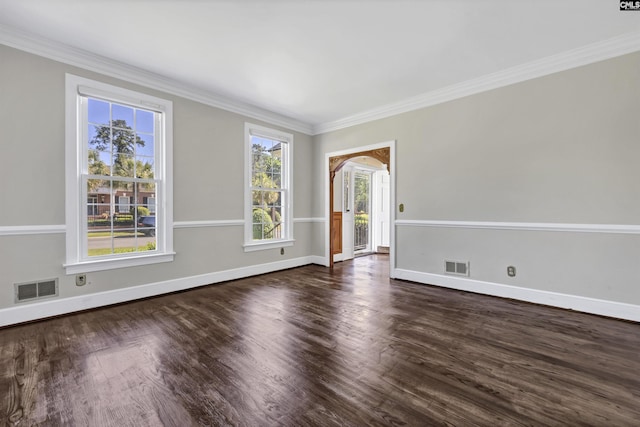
{"x": 311, "y": 346}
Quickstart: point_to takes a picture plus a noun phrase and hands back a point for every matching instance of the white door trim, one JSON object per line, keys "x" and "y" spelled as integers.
{"x": 392, "y": 196}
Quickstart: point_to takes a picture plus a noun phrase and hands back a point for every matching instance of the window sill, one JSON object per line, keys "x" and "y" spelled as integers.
{"x": 113, "y": 263}
{"x": 271, "y": 244}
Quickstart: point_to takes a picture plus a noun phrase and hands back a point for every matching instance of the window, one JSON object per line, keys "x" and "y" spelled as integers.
{"x": 268, "y": 208}
{"x": 118, "y": 174}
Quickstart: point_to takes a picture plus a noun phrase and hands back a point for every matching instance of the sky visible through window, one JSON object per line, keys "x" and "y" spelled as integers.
{"x": 102, "y": 114}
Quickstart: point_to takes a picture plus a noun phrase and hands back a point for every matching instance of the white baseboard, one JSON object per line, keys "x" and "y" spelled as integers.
{"x": 55, "y": 307}
{"x": 615, "y": 309}
{"x": 320, "y": 260}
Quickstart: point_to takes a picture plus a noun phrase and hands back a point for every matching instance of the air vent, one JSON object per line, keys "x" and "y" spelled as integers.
{"x": 36, "y": 290}
{"x": 456, "y": 268}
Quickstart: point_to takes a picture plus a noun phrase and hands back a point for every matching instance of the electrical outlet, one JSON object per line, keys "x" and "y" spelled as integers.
{"x": 511, "y": 271}
{"x": 81, "y": 279}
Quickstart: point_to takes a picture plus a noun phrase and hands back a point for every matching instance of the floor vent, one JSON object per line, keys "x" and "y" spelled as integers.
{"x": 36, "y": 290}
{"x": 457, "y": 268}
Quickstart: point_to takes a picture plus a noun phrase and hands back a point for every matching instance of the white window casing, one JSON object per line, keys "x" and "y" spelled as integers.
{"x": 283, "y": 143}
{"x": 78, "y": 260}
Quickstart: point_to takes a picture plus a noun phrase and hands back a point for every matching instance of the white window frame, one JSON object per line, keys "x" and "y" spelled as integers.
{"x": 287, "y": 189}
{"x": 77, "y": 89}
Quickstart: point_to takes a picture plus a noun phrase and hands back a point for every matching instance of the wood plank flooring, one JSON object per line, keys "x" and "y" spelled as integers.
{"x": 315, "y": 347}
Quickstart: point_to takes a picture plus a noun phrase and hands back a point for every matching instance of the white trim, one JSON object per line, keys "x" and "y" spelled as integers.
{"x": 77, "y": 260}
{"x": 315, "y": 219}
{"x": 573, "y": 302}
{"x": 525, "y": 226}
{"x": 318, "y": 260}
{"x": 286, "y": 188}
{"x": 210, "y": 223}
{"x": 268, "y": 244}
{"x": 60, "y": 306}
{"x": 599, "y": 51}
{"x": 23, "y": 230}
{"x": 117, "y": 263}
{"x": 392, "y": 197}
{"x": 89, "y": 61}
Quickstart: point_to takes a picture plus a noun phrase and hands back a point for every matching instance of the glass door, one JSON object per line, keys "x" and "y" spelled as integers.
{"x": 362, "y": 211}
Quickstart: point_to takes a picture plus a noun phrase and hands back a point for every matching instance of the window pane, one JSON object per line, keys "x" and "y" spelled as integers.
{"x": 258, "y": 200}
{"x": 124, "y": 141}
{"x": 146, "y": 243}
{"x": 146, "y": 226}
{"x": 260, "y": 223}
{"x": 121, "y": 192}
{"x": 122, "y": 115}
{"x": 144, "y": 167}
{"x": 144, "y": 145}
{"x": 123, "y": 165}
{"x": 144, "y": 121}
{"x": 99, "y": 242}
{"x": 276, "y": 180}
{"x": 145, "y": 198}
{"x": 145, "y": 190}
{"x": 151, "y": 205}
{"x": 94, "y": 186}
{"x": 99, "y": 137}
{"x": 98, "y": 111}
{"x": 99, "y": 162}
{"x": 258, "y": 165}
{"x": 277, "y": 231}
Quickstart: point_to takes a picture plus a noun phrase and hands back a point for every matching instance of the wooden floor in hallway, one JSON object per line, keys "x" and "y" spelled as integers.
{"x": 316, "y": 347}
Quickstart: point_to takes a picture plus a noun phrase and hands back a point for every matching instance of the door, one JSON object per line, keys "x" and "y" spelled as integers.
{"x": 381, "y": 211}
{"x": 337, "y": 233}
{"x": 347, "y": 212}
{"x": 361, "y": 211}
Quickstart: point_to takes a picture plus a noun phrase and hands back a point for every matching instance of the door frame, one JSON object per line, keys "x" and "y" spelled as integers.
{"x": 328, "y": 194}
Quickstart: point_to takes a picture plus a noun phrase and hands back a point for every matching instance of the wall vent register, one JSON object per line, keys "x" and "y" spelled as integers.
{"x": 456, "y": 268}
{"x": 36, "y": 290}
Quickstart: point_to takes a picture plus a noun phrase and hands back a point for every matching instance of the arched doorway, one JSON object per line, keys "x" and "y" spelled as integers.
{"x": 384, "y": 153}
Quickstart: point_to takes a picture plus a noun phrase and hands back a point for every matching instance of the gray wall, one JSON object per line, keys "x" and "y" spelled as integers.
{"x": 558, "y": 149}
{"x": 208, "y": 184}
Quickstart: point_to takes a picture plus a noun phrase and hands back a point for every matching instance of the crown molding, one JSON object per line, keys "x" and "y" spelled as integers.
{"x": 89, "y": 61}
{"x": 599, "y": 51}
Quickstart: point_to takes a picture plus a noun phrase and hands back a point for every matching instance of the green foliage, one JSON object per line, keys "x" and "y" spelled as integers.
{"x": 361, "y": 192}
{"x": 121, "y": 136}
{"x": 121, "y": 140}
{"x": 142, "y": 211}
{"x": 266, "y": 173}
{"x": 108, "y": 251}
{"x": 262, "y": 224}
{"x": 97, "y": 167}
{"x": 119, "y": 220}
{"x": 361, "y": 219}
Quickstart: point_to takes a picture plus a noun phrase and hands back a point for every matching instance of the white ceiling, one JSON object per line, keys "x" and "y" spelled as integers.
{"x": 321, "y": 61}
